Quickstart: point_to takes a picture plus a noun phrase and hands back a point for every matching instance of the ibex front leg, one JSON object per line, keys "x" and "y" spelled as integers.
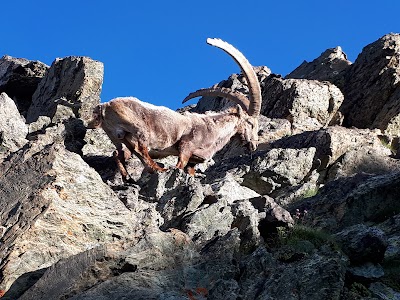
{"x": 183, "y": 158}
{"x": 121, "y": 156}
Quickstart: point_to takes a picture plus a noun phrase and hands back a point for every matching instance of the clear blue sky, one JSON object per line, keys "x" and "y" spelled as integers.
{"x": 156, "y": 50}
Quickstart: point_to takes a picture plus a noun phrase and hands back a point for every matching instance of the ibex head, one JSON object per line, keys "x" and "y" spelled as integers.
{"x": 248, "y": 108}
{"x": 248, "y": 129}
{"x": 97, "y": 118}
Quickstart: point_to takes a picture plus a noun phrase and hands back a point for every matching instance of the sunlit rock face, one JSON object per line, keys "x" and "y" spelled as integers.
{"x": 312, "y": 214}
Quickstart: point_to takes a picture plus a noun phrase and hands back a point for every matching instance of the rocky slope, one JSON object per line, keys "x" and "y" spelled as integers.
{"x": 314, "y": 213}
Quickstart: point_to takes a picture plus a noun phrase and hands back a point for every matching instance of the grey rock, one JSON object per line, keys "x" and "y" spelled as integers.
{"x": 275, "y": 214}
{"x": 208, "y": 222}
{"x": 363, "y": 160}
{"x": 19, "y": 79}
{"x": 393, "y": 250}
{"x": 334, "y": 142}
{"x": 59, "y": 208}
{"x": 60, "y": 281}
{"x": 305, "y": 189}
{"x": 383, "y": 292}
{"x": 306, "y": 285}
{"x": 326, "y": 67}
{"x": 363, "y": 244}
{"x": 279, "y": 168}
{"x": 358, "y": 199}
{"x": 264, "y": 278}
{"x": 391, "y": 227}
{"x": 230, "y": 187}
{"x": 162, "y": 266}
{"x": 224, "y": 289}
{"x": 13, "y": 130}
{"x": 39, "y": 125}
{"x": 71, "y": 81}
{"x": 366, "y": 272}
{"x": 246, "y": 219}
{"x": 20, "y": 204}
{"x": 97, "y": 143}
{"x": 180, "y": 200}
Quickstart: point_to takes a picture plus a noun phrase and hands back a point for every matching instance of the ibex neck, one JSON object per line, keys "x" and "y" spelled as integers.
{"x": 220, "y": 129}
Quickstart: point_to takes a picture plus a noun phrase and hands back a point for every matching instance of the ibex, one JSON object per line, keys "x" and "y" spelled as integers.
{"x": 153, "y": 132}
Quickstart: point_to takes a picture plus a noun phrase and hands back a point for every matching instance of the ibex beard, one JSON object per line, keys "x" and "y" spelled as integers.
{"x": 152, "y": 132}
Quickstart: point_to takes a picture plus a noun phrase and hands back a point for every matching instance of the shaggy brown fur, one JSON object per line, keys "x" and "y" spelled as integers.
{"x": 152, "y": 132}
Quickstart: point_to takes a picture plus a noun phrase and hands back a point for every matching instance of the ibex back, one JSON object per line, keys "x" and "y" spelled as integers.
{"x": 152, "y": 132}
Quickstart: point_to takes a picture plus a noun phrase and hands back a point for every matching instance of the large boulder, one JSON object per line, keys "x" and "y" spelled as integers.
{"x": 19, "y": 78}
{"x": 307, "y": 104}
{"x": 279, "y": 168}
{"x": 371, "y": 87}
{"x": 363, "y": 160}
{"x": 363, "y": 244}
{"x": 335, "y": 141}
{"x": 72, "y": 81}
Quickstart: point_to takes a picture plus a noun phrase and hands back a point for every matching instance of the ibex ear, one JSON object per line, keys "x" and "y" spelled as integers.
{"x": 240, "y": 112}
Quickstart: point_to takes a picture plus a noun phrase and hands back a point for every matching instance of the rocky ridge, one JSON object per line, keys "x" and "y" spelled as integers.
{"x": 314, "y": 213}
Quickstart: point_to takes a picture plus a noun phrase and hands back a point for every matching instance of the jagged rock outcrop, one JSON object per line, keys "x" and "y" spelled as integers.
{"x": 376, "y": 69}
{"x": 372, "y": 87}
{"x": 326, "y": 67}
{"x": 19, "y": 79}
{"x": 47, "y": 216}
{"x": 312, "y": 214}
{"x": 74, "y": 82}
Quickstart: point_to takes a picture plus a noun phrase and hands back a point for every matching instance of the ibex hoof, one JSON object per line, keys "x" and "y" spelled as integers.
{"x": 158, "y": 169}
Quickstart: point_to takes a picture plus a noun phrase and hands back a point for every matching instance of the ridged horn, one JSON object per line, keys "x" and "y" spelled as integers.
{"x": 236, "y": 97}
{"x": 248, "y": 72}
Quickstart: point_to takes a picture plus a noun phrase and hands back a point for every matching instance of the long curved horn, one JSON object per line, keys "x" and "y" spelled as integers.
{"x": 248, "y": 72}
{"x": 236, "y": 97}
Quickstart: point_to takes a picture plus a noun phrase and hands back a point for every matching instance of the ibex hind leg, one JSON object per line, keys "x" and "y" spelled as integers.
{"x": 142, "y": 152}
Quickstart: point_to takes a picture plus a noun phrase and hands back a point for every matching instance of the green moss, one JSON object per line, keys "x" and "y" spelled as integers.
{"x": 310, "y": 192}
{"x": 359, "y": 291}
{"x": 301, "y": 237}
{"x": 387, "y": 144}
